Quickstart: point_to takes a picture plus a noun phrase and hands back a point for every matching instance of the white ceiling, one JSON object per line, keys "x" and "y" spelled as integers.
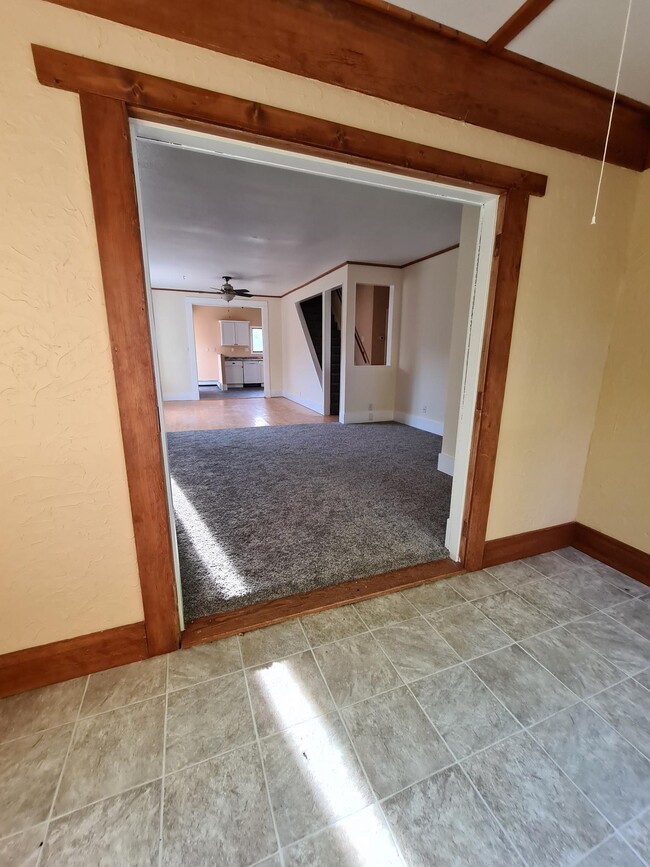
{"x": 273, "y": 228}
{"x": 581, "y": 37}
{"x": 479, "y": 18}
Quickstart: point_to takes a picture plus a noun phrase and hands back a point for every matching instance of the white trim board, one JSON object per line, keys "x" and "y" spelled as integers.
{"x": 308, "y": 404}
{"x": 419, "y": 421}
{"x": 180, "y": 395}
{"x": 198, "y": 301}
{"x": 368, "y": 416}
{"x": 446, "y": 463}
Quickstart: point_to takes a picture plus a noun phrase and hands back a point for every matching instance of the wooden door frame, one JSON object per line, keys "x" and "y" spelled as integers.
{"x": 109, "y": 95}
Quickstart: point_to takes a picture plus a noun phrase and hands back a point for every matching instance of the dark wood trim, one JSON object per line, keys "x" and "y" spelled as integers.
{"x": 107, "y": 93}
{"x": 511, "y": 226}
{"x": 314, "y": 279}
{"x": 619, "y": 555}
{"x": 346, "y": 44}
{"x": 431, "y": 256}
{"x": 450, "y": 33}
{"x": 421, "y": 21}
{"x": 318, "y": 277}
{"x": 110, "y": 167}
{"x": 516, "y": 547}
{"x": 518, "y": 21}
{"x": 159, "y": 99}
{"x": 266, "y": 613}
{"x": 74, "y": 657}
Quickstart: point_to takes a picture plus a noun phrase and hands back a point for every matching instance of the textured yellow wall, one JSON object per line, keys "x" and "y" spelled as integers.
{"x": 68, "y": 562}
{"x": 616, "y": 492}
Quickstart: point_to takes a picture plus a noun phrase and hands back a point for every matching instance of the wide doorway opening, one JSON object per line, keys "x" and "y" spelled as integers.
{"x": 317, "y": 332}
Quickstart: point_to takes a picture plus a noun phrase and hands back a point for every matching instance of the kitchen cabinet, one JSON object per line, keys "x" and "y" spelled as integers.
{"x": 234, "y": 332}
{"x": 234, "y": 371}
{"x": 253, "y": 371}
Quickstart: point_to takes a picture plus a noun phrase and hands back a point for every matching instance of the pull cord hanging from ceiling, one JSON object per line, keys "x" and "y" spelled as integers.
{"x": 611, "y": 112}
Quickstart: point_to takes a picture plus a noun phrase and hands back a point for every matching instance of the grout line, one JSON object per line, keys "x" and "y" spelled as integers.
{"x": 375, "y": 800}
{"x": 527, "y": 730}
{"x": 419, "y": 614}
{"x": 624, "y": 839}
{"x": 572, "y": 782}
{"x": 164, "y": 766}
{"x": 320, "y": 831}
{"x": 83, "y": 718}
{"x": 629, "y": 846}
{"x": 63, "y": 766}
{"x": 491, "y": 623}
{"x": 613, "y": 727}
{"x": 583, "y": 858}
{"x": 219, "y": 755}
{"x": 261, "y": 757}
{"x": 530, "y": 566}
{"x": 104, "y": 798}
{"x": 602, "y": 656}
{"x": 451, "y": 753}
{"x": 466, "y": 775}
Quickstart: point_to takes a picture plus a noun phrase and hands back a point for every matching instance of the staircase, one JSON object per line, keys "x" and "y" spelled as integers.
{"x": 335, "y": 368}
{"x": 312, "y": 311}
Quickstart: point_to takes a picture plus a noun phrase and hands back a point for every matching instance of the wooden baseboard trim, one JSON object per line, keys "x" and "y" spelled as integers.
{"x": 74, "y": 657}
{"x": 267, "y": 613}
{"x": 509, "y": 548}
{"x": 619, "y": 555}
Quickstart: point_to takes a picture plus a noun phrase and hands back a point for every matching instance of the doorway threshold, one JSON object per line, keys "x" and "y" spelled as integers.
{"x": 215, "y": 626}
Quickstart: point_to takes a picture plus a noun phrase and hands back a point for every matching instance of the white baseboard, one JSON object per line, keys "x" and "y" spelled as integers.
{"x": 180, "y": 395}
{"x": 309, "y": 404}
{"x": 209, "y": 382}
{"x": 419, "y": 421}
{"x": 446, "y": 463}
{"x": 277, "y": 394}
{"x": 364, "y": 417}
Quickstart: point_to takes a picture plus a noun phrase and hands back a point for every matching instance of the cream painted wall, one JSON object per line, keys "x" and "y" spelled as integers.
{"x": 172, "y": 345}
{"x": 175, "y": 349}
{"x": 363, "y": 386}
{"x": 68, "y": 560}
{"x": 300, "y": 380}
{"x": 428, "y": 291}
{"x": 615, "y": 495}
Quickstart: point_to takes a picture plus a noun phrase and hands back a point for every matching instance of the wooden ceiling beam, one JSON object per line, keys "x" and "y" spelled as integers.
{"x": 371, "y": 51}
{"x": 149, "y": 97}
{"x": 518, "y": 21}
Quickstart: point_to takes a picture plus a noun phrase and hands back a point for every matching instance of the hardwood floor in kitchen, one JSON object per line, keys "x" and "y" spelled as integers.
{"x": 184, "y": 415}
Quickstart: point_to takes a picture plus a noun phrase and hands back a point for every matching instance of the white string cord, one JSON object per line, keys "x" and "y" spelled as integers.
{"x": 611, "y": 112}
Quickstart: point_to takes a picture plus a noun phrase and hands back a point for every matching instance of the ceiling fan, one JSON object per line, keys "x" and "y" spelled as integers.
{"x": 229, "y": 292}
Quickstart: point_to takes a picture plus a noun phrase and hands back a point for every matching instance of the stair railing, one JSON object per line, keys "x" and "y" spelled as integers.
{"x": 337, "y": 308}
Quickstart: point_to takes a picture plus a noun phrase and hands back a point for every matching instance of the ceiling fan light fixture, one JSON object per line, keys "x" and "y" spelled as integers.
{"x": 228, "y": 291}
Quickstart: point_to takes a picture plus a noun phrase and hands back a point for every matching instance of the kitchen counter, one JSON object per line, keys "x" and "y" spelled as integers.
{"x": 259, "y": 355}
{"x": 235, "y": 371}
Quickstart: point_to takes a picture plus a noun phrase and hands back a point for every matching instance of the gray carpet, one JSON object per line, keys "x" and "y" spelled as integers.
{"x": 267, "y": 512}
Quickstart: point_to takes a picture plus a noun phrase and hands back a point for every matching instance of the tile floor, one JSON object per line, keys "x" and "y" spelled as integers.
{"x": 498, "y": 718}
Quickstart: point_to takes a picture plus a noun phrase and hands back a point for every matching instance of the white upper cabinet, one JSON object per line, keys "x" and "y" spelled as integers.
{"x": 234, "y": 333}
{"x": 242, "y": 334}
